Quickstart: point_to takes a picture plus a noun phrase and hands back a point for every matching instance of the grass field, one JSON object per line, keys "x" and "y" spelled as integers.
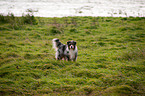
{"x": 111, "y": 56}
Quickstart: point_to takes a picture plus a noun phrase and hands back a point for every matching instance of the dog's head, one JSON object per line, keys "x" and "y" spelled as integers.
{"x": 71, "y": 45}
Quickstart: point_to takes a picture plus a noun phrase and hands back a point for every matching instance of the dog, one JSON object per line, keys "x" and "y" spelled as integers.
{"x": 66, "y": 52}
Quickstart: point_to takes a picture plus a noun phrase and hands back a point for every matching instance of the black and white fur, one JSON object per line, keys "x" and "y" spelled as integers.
{"x": 67, "y": 52}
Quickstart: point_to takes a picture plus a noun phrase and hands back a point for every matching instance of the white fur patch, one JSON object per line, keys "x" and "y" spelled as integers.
{"x": 72, "y": 53}
{"x": 54, "y": 44}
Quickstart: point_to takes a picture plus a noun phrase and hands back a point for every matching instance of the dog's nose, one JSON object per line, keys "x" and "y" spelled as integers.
{"x": 71, "y": 46}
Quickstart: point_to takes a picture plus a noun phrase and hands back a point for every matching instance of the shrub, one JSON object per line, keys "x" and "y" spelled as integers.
{"x": 101, "y": 43}
{"x": 11, "y": 54}
{"x": 16, "y": 22}
{"x": 83, "y": 91}
{"x": 3, "y": 19}
{"x": 12, "y": 20}
{"x": 7, "y": 19}
{"x": 54, "y": 30}
{"x": 29, "y": 56}
{"x": 86, "y": 73}
{"x": 134, "y": 54}
{"x": 73, "y": 30}
{"x": 29, "y": 19}
{"x": 120, "y": 90}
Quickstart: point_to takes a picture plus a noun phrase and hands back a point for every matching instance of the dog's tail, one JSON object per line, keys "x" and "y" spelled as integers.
{"x": 56, "y": 43}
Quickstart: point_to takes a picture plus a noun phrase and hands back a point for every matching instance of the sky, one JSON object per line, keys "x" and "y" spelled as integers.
{"x": 63, "y": 8}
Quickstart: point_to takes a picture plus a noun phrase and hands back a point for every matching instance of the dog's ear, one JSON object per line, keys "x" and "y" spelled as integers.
{"x": 75, "y": 42}
{"x": 68, "y": 42}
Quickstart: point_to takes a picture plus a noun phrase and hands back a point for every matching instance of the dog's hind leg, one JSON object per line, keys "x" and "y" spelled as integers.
{"x": 57, "y": 56}
{"x": 75, "y": 57}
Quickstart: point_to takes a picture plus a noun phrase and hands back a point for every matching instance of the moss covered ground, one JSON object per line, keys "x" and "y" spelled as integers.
{"x": 111, "y": 56}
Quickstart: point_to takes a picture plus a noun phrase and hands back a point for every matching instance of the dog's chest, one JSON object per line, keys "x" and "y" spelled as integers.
{"x": 72, "y": 54}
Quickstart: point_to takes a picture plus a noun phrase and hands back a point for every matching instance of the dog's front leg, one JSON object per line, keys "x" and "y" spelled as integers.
{"x": 75, "y": 57}
{"x": 67, "y": 58}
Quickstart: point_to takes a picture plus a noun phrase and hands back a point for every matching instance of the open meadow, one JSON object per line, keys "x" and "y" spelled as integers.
{"x": 111, "y": 56}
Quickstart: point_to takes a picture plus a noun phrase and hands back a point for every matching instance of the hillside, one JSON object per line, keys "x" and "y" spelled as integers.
{"x": 111, "y": 56}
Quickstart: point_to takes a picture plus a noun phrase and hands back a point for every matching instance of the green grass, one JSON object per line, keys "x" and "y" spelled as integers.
{"x": 111, "y": 56}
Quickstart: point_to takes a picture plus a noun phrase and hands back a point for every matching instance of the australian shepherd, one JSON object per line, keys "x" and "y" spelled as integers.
{"x": 66, "y": 52}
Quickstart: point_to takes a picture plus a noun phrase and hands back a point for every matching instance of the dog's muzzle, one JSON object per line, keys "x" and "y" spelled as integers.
{"x": 71, "y": 47}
